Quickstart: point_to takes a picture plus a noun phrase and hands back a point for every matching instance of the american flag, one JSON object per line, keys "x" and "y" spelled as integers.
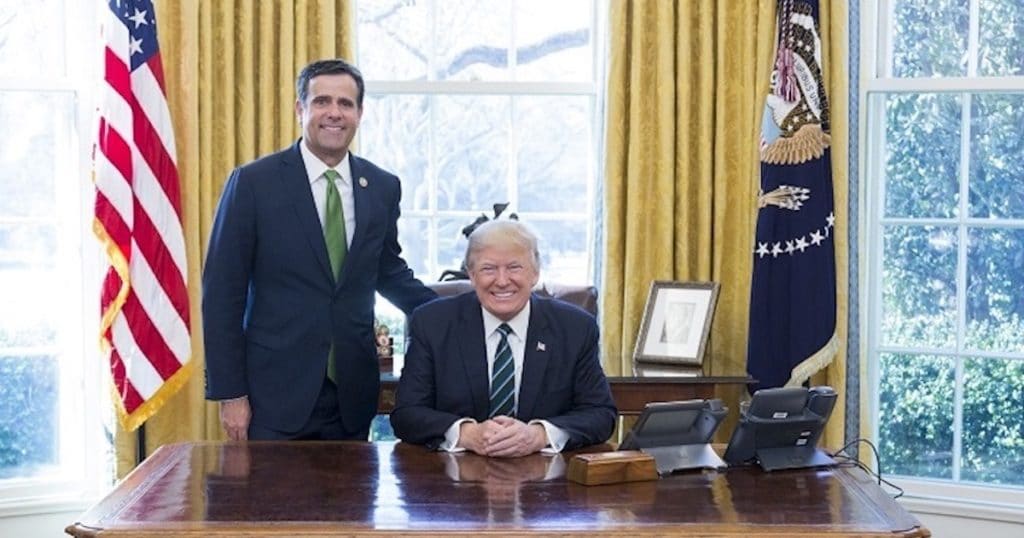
{"x": 144, "y": 332}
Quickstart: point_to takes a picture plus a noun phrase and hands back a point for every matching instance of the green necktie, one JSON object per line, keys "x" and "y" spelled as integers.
{"x": 337, "y": 246}
{"x": 334, "y": 224}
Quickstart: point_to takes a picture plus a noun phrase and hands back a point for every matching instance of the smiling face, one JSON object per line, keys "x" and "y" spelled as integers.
{"x": 330, "y": 116}
{"x": 503, "y": 276}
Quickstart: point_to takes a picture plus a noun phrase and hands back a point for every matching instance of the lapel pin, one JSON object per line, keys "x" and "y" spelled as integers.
{"x": 541, "y": 346}
{"x": 362, "y": 182}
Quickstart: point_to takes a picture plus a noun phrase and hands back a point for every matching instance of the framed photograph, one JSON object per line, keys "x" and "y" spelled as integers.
{"x": 676, "y": 323}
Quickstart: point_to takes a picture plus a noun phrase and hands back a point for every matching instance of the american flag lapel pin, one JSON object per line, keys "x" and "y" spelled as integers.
{"x": 541, "y": 346}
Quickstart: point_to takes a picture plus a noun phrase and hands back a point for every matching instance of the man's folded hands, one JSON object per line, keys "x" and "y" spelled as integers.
{"x": 503, "y": 437}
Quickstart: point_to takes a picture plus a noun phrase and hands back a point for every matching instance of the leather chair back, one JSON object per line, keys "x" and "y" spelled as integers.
{"x": 582, "y": 296}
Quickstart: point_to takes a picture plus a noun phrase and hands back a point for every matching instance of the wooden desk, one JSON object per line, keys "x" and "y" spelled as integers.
{"x": 630, "y": 393}
{"x": 365, "y": 489}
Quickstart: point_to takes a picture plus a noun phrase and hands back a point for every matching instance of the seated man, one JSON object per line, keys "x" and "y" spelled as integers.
{"x": 500, "y": 372}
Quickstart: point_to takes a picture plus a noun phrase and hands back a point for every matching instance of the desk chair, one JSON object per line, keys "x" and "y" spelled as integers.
{"x": 583, "y": 296}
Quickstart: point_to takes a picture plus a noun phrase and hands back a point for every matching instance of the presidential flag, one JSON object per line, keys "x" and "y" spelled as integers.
{"x": 793, "y": 287}
{"x": 144, "y": 331}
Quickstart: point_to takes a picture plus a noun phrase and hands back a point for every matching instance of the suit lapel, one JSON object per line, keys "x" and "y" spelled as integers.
{"x": 362, "y": 196}
{"x": 473, "y": 351}
{"x": 535, "y": 358}
{"x": 296, "y": 182}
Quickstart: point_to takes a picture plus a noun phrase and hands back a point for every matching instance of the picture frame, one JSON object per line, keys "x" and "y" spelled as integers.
{"x": 676, "y": 323}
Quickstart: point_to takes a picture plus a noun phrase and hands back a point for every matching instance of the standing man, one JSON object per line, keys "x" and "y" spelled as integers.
{"x": 501, "y": 372}
{"x": 301, "y": 241}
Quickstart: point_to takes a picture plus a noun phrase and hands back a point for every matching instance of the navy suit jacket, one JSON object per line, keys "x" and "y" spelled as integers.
{"x": 271, "y": 305}
{"x": 445, "y": 374}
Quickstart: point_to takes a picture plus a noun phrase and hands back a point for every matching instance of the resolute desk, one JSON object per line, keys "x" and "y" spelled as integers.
{"x": 392, "y": 489}
{"x": 630, "y": 393}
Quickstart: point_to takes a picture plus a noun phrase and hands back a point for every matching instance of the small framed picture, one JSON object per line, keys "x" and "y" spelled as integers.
{"x": 676, "y": 323}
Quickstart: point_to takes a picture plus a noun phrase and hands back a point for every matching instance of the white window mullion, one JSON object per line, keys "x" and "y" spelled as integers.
{"x": 961, "y": 265}
{"x": 433, "y": 248}
{"x": 599, "y": 51}
{"x": 876, "y": 156}
{"x": 592, "y": 172}
{"x": 482, "y": 87}
{"x": 70, "y": 356}
{"x": 512, "y": 57}
{"x": 432, "y": 178}
{"x": 432, "y": 47}
{"x": 511, "y": 177}
{"x": 1002, "y": 84}
{"x": 973, "y": 50}
{"x": 883, "y": 52}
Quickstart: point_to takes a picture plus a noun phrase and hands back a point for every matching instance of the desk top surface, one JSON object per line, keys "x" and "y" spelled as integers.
{"x": 355, "y": 489}
{"x": 661, "y": 379}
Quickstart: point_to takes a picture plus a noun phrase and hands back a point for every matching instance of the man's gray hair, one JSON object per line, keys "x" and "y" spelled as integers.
{"x": 502, "y": 233}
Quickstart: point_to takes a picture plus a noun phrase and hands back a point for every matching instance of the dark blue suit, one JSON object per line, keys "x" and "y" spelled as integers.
{"x": 271, "y": 306}
{"x": 445, "y": 373}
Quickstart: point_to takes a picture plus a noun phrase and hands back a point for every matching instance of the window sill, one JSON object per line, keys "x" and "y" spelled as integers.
{"x": 74, "y": 502}
{"x": 960, "y": 500}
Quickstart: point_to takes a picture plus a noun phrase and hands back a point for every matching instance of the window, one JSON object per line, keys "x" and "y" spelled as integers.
{"x": 477, "y": 102}
{"x": 47, "y": 447}
{"x": 945, "y": 244}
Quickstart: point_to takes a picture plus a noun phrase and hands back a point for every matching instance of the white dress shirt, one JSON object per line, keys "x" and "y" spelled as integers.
{"x": 557, "y": 437}
{"x": 318, "y": 184}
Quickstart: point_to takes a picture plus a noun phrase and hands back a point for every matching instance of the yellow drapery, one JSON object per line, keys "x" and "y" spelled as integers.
{"x": 687, "y": 82}
{"x": 230, "y": 69}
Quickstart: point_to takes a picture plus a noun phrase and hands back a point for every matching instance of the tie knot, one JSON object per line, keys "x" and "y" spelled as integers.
{"x": 331, "y": 174}
{"x": 504, "y": 329}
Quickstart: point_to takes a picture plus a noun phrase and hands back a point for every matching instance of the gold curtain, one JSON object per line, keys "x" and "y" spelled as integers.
{"x": 230, "y": 69}
{"x": 686, "y": 89}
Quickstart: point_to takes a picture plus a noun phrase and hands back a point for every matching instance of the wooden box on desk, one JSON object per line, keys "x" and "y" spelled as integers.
{"x": 611, "y": 467}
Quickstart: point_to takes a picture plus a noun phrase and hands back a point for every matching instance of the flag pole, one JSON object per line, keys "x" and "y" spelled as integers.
{"x": 140, "y": 444}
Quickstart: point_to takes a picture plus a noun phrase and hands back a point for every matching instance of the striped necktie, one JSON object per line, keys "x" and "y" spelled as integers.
{"x": 503, "y": 377}
{"x": 337, "y": 243}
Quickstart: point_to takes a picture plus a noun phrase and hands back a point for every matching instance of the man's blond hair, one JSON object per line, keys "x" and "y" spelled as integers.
{"x": 502, "y": 233}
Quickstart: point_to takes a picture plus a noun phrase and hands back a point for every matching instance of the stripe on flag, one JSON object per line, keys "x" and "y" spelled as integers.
{"x": 144, "y": 332}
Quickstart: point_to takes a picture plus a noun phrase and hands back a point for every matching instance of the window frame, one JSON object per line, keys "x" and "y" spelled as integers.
{"x": 945, "y": 497}
{"x": 595, "y": 89}
{"x": 84, "y": 467}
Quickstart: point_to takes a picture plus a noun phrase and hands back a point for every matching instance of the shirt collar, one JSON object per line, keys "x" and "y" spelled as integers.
{"x": 316, "y": 168}
{"x": 519, "y": 323}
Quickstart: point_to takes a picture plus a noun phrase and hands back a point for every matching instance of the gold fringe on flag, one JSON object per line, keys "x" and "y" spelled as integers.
{"x": 815, "y": 363}
{"x": 119, "y": 263}
{"x": 131, "y": 421}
